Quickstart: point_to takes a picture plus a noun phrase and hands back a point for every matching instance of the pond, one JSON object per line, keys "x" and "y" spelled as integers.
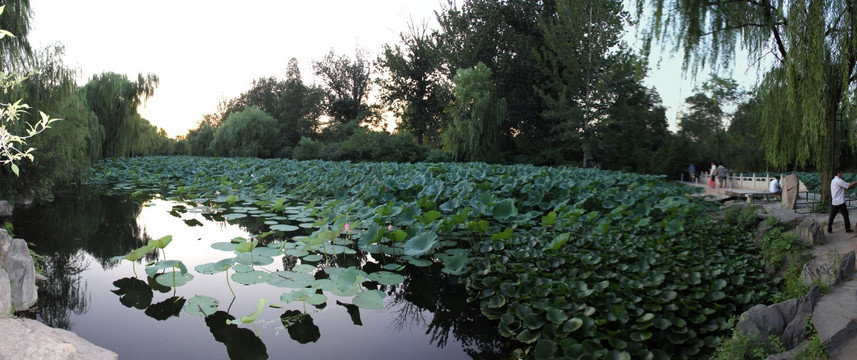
{"x": 424, "y": 317}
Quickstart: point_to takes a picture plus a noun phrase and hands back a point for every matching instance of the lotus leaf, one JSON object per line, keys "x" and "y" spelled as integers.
{"x": 165, "y": 264}
{"x": 173, "y": 278}
{"x": 369, "y": 299}
{"x": 234, "y": 216}
{"x": 420, "y": 244}
{"x": 306, "y": 295}
{"x": 250, "y": 259}
{"x": 225, "y": 246}
{"x": 297, "y": 252}
{"x": 386, "y": 278}
{"x": 544, "y": 349}
{"x": 284, "y": 228}
{"x": 303, "y": 268}
{"x": 349, "y": 278}
{"x": 394, "y": 267}
{"x": 295, "y": 280}
{"x": 213, "y": 268}
{"x": 312, "y": 258}
{"x": 201, "y": 305}
{"x": 260, "y": 305}
{"x": 250, "y": 277}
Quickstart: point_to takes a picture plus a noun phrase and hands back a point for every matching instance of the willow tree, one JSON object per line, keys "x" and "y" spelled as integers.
{"x": 15, "y": 25}
{"x": 477, "y": 116}
{"x": 114, "y": 99}
{"x": 813, "y": 45}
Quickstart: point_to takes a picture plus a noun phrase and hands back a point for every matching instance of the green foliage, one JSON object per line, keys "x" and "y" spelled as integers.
{"x": 114, "y": 99}
{"x": 412, "y": 85}
{"x": 742, "y": 217}
{"x": 247, "y": 133}
{"x": 814, "y": 350}
{"x": 743, "y": 347}
{"x": 572, "y": 262}
{"x": 347, "y": 82}
{"x": 582, "y": 45}
{"x": 199, "y": 140}
{"x": 14, "y": 47}
{"x": 476, "y": 117}
{"x": 776, "y": 245}
{"x": 308, "y": 149}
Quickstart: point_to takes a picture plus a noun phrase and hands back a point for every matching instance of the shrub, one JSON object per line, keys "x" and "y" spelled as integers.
{"x": 307, "y": 149}
{"x": 248, "y": 133}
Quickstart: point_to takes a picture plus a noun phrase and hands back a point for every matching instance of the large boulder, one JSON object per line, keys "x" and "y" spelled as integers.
{"x": 786, "y": 320}
{"x": 5, "y": 209}
{"x": 5, "y": 294}
{"x": 791, "y": 188}
{"x": 30, "y": 339}
{"x": 15, "y": 258}
{"x": 810, "y": 232}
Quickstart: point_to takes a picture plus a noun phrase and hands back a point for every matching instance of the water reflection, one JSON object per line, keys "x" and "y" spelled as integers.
{"x": 102, "y": 226}
{"x": 63, "y": 291}
{"x": 82, "y": 223}
{"x": 240, "y": 343}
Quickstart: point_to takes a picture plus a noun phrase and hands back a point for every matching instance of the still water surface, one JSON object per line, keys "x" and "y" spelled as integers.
{"x": 426, "y": 317}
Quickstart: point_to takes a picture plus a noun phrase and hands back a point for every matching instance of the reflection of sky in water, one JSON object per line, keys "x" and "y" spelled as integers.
{"x": 134, "y": 335}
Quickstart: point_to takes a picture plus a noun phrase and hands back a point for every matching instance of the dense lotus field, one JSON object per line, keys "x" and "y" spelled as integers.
{"x": 572, "y": 263}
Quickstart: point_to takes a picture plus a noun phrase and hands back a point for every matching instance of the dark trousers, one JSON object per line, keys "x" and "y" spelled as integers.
{"x": 838, "y": 209}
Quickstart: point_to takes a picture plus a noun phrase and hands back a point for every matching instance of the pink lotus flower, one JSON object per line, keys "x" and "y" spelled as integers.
{"x": 389, "y": 227}
{"x": 347, "y": 226}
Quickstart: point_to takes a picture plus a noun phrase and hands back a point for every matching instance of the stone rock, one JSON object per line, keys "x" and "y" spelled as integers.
{"x": 846, "y": 268}
{"x": 795, "y": 330}
{"x": 815, "y": 272}
{"x": 22, "y": 274}
{"x": 761, "y": 321}
{"x": 810, "y": 232}
{"x": 761, "y": 230}
{"x": 5, "y": 243}
{"x": 791, "y": 188}
{"x": 26, "y": 199}
{"x": 786, "y": 320}
{"x": 30, "y": 339}
{"x": 5, "y": 294}
{"x": 5, "y": 209}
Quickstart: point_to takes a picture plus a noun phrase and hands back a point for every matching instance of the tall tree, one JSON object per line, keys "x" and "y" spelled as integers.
{"x": 347, "y": 81}
{"x": 634, "y": 125}
{"x": 15, "y": 24}
{"x": 114, "y": 99}
{"x": 710, "y": 113}
{"x": 69, "y": 148}
{"x": 295, "y": 106}
{"x": 814, "y": 44}
{"x": 505, "y": 36}
{"x": 476, "y": 116}
{"x": 413, "y": 86}
{"x": 582, "y": 40}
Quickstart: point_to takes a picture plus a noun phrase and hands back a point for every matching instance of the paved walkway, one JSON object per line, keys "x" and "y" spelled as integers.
{"x": 835, "y": 317}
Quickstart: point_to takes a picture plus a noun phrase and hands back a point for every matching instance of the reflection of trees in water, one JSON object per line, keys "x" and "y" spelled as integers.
{"x": 63, "y": 291}
{"x": 428, "y": 289}
{"x": 81, "y": 218}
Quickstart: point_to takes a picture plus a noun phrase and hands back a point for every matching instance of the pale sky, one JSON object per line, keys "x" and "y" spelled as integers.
{"x": 205, "y": 50}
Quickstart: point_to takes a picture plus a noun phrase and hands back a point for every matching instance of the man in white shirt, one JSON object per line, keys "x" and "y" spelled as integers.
{"x": 775, "y": 187}
{"x": 837, "y": 203}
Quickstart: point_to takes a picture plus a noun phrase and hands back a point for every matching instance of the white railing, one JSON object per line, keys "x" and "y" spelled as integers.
{"x": 750, "y": 181}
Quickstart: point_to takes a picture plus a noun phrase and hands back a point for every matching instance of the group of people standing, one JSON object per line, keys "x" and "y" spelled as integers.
{"x": 718, "y": 172}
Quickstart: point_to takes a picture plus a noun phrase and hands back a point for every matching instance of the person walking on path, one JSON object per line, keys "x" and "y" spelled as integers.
{"x": 722, "y": 174}
{"x": 692, "y": 170}
{"x": 837, "y": 203}
{"x": 713, "y": 173}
